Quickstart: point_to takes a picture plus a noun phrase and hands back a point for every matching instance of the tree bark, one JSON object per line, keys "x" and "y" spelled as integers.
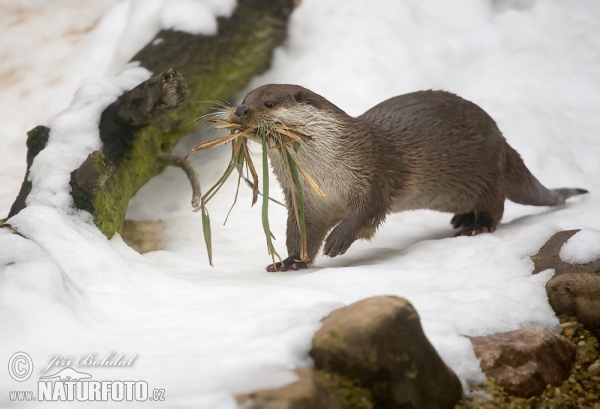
{"x": 37, "y": 139}
{"x": 144, "y": 124}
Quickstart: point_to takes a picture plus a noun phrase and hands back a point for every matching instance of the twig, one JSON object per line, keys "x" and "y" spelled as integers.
{"x": 191, "y": 173}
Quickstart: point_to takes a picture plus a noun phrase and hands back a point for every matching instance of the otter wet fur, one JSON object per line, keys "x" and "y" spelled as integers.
{"x": 423, "y": 150}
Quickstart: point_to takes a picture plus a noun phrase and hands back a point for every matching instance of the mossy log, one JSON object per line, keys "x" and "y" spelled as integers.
{"x": 135, "y": 131}
{"x": 37, "y": 139}
{"x": 142, "y": 126}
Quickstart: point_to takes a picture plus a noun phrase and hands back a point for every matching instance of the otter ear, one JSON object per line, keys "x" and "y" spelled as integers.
{"x": 300, "y": 96}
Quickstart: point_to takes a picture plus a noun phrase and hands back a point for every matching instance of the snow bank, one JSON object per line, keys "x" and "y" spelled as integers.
{"x": 582, "y": 248}
{"x": 132, "y": 24}
{"x": 205, "y": 334}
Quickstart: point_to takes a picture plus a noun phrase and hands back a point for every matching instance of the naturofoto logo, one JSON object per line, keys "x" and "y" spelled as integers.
{"x": 71, "y": 385}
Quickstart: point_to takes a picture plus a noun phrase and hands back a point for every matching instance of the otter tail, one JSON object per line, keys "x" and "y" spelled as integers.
{"x": 520, "y": 186}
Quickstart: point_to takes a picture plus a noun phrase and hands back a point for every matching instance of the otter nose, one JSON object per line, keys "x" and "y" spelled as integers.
{"x": 241, "y": 111}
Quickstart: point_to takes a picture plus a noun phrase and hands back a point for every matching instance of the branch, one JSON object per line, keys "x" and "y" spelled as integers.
{"x": 191, "y": 173}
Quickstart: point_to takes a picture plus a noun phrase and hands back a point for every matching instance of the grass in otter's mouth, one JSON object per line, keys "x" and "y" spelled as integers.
{"x": 277, "y": 136}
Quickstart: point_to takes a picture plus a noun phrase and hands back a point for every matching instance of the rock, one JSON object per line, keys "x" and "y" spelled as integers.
{"x": 594, "y": 369}
{"x": 143, "y": 236}
{"x": 523, "y": 362}
{"x": 379, "y": 342}
{"x": 548, "y": 256}
{"x": 306, "y": 393}
{"x": 575, "y": 288}
{"x": 577, "y": 294}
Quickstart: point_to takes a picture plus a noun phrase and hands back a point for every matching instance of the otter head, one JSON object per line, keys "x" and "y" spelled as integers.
{"x": 291, "y": 105}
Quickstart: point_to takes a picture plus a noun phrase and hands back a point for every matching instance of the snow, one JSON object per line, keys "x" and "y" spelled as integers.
{"x": 74, "y": 134}
{"x": 581, "y": 248}
{"x": 131, "y": 24}
{"x": 193, "y": 16}
{"x": 205, "y": 334}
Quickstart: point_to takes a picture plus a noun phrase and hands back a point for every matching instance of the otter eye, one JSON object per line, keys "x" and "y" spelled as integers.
{"x": 269, "y": 104}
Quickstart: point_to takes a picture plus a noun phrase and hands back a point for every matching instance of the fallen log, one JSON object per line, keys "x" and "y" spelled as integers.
{"x": 139, "y": 130}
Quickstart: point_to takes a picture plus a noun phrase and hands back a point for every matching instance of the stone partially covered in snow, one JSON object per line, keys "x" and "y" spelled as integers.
{"x": 582, "y": 248}
{"x": 379, "y": 341}
{"x": 577, "y": 294}
{"x": 523, "y": 362}
{"x": 575, "y": 288}
{"x": 308, "y": 392}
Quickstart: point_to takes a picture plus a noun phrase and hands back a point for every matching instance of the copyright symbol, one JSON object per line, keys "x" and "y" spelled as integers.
{"x": 20, "y": 366}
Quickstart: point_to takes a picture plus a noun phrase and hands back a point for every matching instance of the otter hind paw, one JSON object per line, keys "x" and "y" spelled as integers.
{"x": 473, "y": 223}
{"x": 472, "y": 231}
{"x": 463, "y": 220}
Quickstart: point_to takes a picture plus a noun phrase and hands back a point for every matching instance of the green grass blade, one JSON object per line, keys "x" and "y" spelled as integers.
{"x": 237, "y": 190}
{"x": 215, "y": 188}
{"x": 251, "y": 185}
{"x": 300, "y": 199}
{"x": 207, "y": 233}
{"x": 265, "y": 202}
{"x": 253, "y": 173}
{"x": 205, "y": 227}
{"x": 239, "y": 164}
{"x": 232, "y": 165}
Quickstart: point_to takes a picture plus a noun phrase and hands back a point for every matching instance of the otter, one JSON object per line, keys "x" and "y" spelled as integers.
{"x": 422, "y": 150}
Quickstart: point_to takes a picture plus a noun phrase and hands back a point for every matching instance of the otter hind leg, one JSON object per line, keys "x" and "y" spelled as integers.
{"x": 463, "y": 220}
{"x": 488, "y": 208}
{"x": 476, "y": 222}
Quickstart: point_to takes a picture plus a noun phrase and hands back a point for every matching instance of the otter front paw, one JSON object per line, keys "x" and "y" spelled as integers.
{"x": 292, "y": 262}
{"x": 338, "y": 241}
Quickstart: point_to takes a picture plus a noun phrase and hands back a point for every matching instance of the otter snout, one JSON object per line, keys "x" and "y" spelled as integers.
{"x": 242, "y": 110}
{"x": 238, "y": 114}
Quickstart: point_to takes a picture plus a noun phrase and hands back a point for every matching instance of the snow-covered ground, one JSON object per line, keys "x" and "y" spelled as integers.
{"x": 204, "y": 334}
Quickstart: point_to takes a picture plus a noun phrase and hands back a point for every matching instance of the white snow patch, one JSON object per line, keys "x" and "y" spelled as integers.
{"x": 581, "y": 248}
{"x": 131, "y": 24}
{"x": 205, "y": 334}
{"x": 74, "y": 135}
{"x": 193, "y": 16}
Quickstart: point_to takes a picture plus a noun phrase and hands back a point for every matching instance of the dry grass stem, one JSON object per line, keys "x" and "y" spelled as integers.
{"x": 276, "y": 136}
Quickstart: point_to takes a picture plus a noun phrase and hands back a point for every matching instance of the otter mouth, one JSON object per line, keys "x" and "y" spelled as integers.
{"x": 276, "y": 133}
{"x": 253, "y": 134}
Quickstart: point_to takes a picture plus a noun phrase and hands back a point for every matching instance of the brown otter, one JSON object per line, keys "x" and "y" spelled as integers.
{"x": 423, "y": 150}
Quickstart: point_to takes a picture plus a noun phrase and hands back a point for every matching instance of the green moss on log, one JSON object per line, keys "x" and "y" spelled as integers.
{"x": 139, "y": 166}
